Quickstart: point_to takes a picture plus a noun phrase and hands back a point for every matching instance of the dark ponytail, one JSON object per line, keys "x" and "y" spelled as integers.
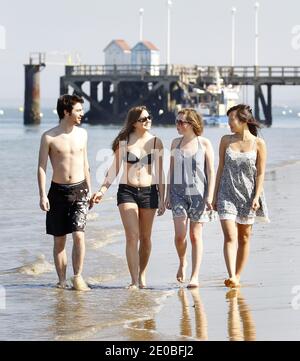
{"x": 244, "y": 114}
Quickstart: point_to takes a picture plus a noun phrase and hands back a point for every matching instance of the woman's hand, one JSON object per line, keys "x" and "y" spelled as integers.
{"x": 214, "y": 204}
{"x": 168, "y": 202}
{"x": 161, "y": 208}
{"x": 255, "y": 204}
{"x": 208, "y": 203}
{"x": 96, "y": 197}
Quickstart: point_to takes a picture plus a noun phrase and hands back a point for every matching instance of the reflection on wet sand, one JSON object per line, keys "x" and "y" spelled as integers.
{"x": 241, "y": 326}
{"x": 200, "y": 316}
{"x": 71, "y": 317}
{"x": 140, "y": 304}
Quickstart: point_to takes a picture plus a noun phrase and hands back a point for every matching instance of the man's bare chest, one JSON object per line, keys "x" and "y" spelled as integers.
{"x": 65, "y": 147}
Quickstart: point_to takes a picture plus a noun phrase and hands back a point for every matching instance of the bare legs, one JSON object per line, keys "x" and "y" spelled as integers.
{"x": 137, "y": 223}
{"x": 145, "y": 226}
{"x": 236, "y": 249}
{"x": 60, "y": 260}
{"x": 180, "y": 225}
{"x": 197, "y": 250}
{"x": 78, "y": 253}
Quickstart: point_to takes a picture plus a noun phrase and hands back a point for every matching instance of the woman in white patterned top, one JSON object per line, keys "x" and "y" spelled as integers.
{"x": 238, "y": 196}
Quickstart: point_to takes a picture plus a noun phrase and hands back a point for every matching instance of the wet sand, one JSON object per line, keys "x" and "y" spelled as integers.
{"x": 262, "y": 309}
{"x": 36, "y": 310}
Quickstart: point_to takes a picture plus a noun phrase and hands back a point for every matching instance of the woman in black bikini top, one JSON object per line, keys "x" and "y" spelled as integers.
{"x": 141, "y": 189}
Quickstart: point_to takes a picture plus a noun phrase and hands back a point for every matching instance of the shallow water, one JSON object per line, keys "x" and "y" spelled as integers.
{"x": 35, "y": 309}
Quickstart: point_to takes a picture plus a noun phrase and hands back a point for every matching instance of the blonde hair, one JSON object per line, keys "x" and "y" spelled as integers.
{"x": 194, "y": 119}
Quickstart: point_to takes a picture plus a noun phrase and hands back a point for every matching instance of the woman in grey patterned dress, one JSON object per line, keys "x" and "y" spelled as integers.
{"x": 190, "y": 189}
{"x": 239, "y": 197}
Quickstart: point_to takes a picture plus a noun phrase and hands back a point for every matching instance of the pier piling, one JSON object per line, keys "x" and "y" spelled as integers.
{"x": 32, "y": 89}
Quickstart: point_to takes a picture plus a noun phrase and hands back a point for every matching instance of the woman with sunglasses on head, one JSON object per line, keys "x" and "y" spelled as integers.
{"x": 190, "y": 189}
{"x": 141, "y": 189}
{"x": 238, "y": 196}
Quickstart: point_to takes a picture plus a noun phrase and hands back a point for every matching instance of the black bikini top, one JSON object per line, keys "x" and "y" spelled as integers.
{"x": 133, "y": 159}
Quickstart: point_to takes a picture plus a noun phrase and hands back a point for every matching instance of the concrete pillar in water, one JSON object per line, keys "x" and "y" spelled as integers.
{"x": 32, "y": 95}
{"x": 32, "y": 91}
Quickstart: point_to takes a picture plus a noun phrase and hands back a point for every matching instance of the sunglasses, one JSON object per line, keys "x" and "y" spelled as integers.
{"x": 180, "y": 122}
{"x": 145, "y": 119}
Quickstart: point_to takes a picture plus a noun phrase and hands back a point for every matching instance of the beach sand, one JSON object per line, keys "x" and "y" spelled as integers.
{"x": 261, "y": 310}
{"x": 266, "y": 307}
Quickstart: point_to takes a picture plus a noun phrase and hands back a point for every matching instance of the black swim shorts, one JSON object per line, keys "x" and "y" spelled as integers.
{"x": 144, "y": 197}
{"x": 68, "y": 208}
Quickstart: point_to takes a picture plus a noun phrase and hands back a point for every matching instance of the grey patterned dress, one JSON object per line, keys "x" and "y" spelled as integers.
{"x": 188, "y": 186}
{"x": 237, "y": 188}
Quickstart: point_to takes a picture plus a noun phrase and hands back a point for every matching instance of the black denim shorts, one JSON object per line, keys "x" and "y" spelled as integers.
{"x": 68, "y": 208}
{"x": 144, "y": 197}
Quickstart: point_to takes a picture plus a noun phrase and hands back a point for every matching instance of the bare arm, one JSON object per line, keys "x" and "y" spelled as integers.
{"x": 41, "y": 173}
{"x": 159, "y": 170}
{"x": 111, "y": 175}
{"x": 87, "y": 173}
{"x": 170, "y": 175}
{"x": 260, "y": 175}
{"x": 222, "y": 149}
{"x": 210, "y": 171}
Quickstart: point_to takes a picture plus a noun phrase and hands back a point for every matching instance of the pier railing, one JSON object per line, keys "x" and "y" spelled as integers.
{"x": 87, "y": 70}
{"x": 251, "y": 71}
{"x": 188, "y": 72}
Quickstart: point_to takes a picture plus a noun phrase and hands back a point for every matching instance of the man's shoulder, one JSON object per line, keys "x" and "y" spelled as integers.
{"x": 51, "y": 132}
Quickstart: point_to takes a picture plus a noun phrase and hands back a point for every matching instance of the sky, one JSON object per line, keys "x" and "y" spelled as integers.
{"x": 200, "y": 34}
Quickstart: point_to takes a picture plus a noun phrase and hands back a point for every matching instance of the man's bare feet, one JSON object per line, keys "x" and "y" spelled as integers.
{"x": 79, "y": 284}
{"x": 181, "y": 272}
{"x": 62, "y": 285}
{"x": 132, "y": 286}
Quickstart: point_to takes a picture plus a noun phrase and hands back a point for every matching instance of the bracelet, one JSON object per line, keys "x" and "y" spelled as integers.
{"x": 102, "y": 194}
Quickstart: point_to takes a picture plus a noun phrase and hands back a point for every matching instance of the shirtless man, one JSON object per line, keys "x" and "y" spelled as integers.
{"x": 67, "y": 201}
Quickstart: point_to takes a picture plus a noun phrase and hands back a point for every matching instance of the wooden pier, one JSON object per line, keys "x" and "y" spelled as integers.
{"x": 112, "y": 90}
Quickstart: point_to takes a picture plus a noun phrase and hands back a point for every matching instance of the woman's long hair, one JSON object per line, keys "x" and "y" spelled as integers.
{"x": 132, "y": 117}
{"x": 244, "y": 114}
{"x": 194, "y": 119}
